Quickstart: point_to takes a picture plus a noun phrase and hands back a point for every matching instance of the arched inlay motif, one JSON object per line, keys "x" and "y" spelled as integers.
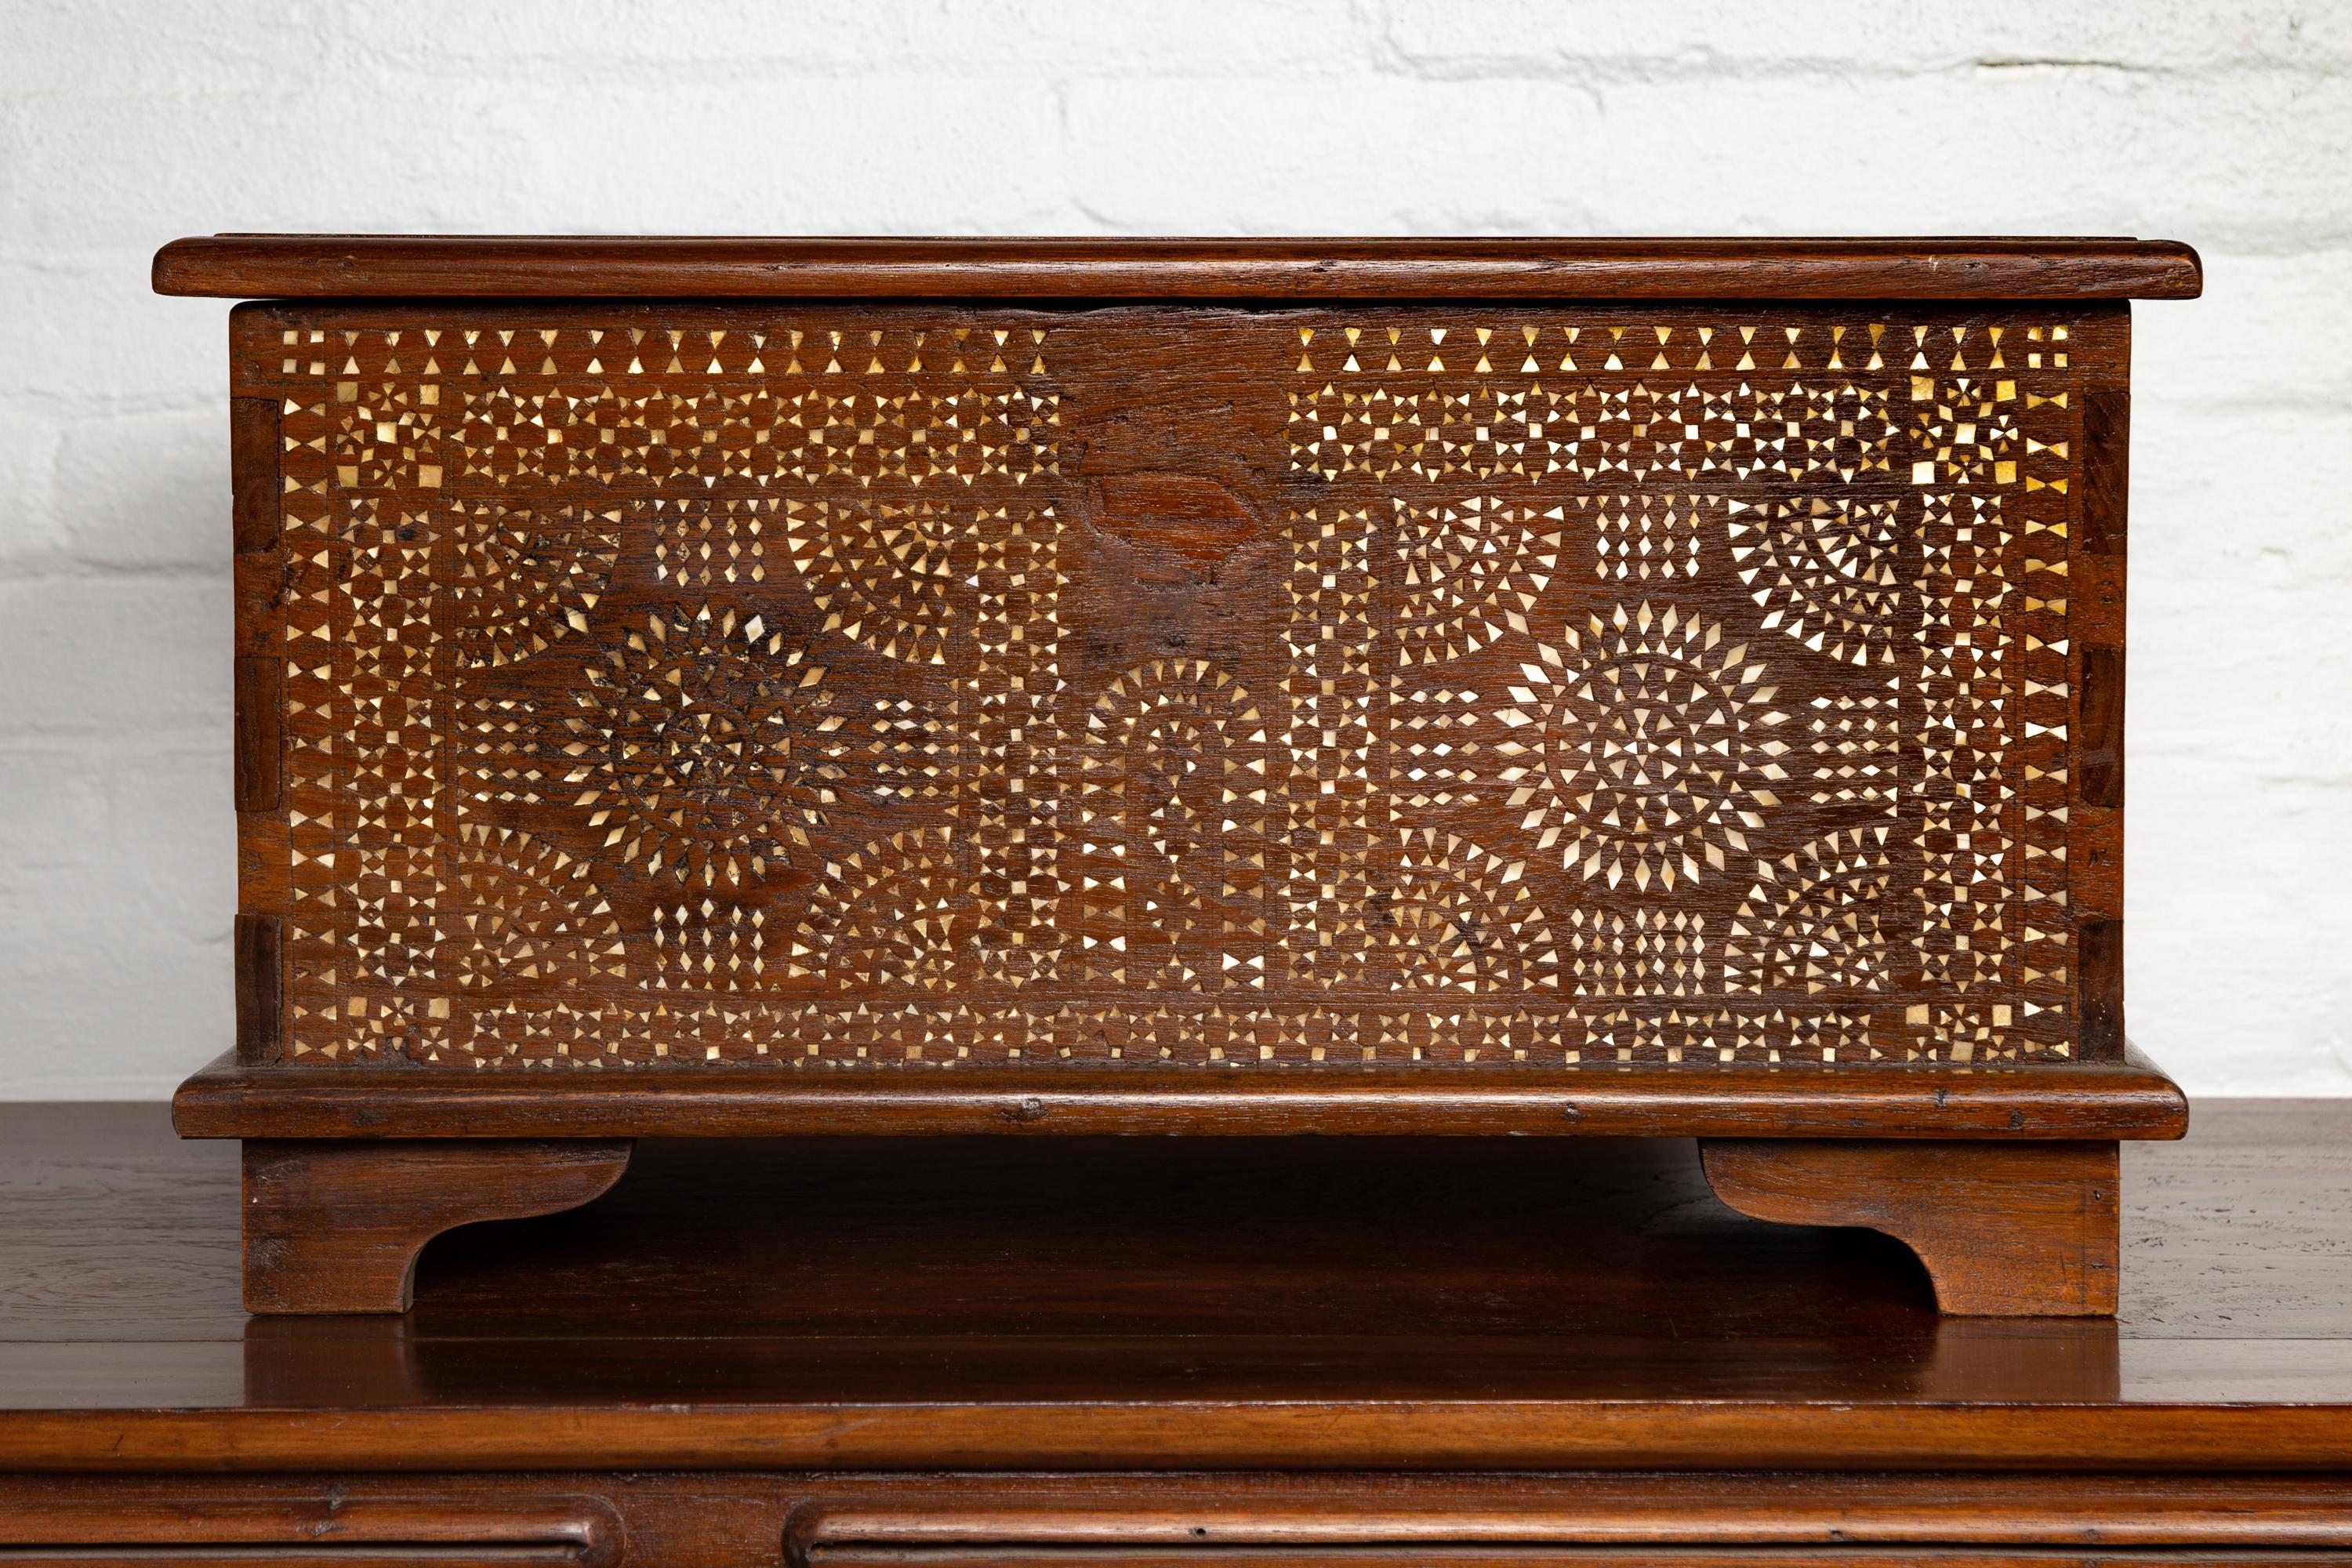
{"x": 1814, "y": 922}
{"x": 1824, "y": 572}
{"x": 522, "y": 912}
{"x": 523, "y": 576}
{"x": 1468, "y": 571}
{"x": 1461, "y": 919}
{"x": 900, "y": 915}
{"x": 1167, "y": 744}
{"x": 885, "y": 575}
{"x": 1175, "y": 764}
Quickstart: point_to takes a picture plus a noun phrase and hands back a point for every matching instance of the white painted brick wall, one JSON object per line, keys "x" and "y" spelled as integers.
{"x": 125, "y": 123}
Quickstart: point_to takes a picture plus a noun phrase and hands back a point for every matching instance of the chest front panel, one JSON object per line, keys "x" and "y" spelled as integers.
{"x": 825, "y": 688}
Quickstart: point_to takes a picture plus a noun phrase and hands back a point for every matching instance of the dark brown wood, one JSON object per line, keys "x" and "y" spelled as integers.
{"x": 259, "y": 728}
{"x": 1380, "y": 1554}
{"x": 2097, "y": 607}
{"x": 337, "y": 1226}
{"x": 288, "y": 1529}
{"x": 2102, "y": 726}
{"x": 2005, "y": 1229}
{"x": 1140, "y": 1304}
{"x": 260, "y": 958}
{"x": 356, "y": 266}
{"x": 2117, "y": 1099}
{"x": 1590, "y": 1512}
{"x": 2106, "y": 441}
{"x": 1377, "y": 1553}
{"x": 253, "y": 473}
{"x": 260, "y": 738}
{"x": 725, "y": 1521}
{"x": 2101, "y": 946}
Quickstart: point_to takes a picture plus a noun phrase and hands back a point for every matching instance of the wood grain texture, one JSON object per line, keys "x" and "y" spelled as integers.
{"x": 1206, "y": 1436}
{"x": 710, "y": 1521}
{"x": 1381, "y": 1554}
{"x": 260, "y": 737}
{"x": 253, "y": 470}
{"x": 2121, "y": 1100}
{"x": 2100, "y": 946}
{"x": 286, "y": 1528}
{"x": 2103, "y": 727}
{"x": 359, "y": 266}
{"x": 337, "y": 1226}
{"x": 260, "y": 953}
{"x": 2095, "y": 836}
{"x": 2005, "y": 1229}
{"x": 1123, "y": 1303}
{"x": 1591, "y": 1511}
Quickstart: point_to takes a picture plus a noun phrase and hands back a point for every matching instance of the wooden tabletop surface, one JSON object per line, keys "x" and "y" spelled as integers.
{"x": 1088, "y": 1303}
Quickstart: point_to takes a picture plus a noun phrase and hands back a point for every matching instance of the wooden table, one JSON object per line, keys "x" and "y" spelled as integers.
{"x": 955, "y": 1352}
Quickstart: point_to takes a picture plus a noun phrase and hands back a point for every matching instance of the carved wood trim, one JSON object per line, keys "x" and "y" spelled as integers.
{"x": 337, "y": 1226}
{"x": 2005, "y": 1229}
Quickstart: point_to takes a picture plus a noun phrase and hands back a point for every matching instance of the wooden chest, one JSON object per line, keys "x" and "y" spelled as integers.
{"x": 730, "y": 686}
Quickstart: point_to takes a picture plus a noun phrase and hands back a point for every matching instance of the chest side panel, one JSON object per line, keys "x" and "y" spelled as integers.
{"x": 838, "y": 688}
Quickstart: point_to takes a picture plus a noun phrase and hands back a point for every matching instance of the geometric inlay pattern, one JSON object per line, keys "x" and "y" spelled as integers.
{"x": 822, "y": 688}
{"x": 1651, "y": 747}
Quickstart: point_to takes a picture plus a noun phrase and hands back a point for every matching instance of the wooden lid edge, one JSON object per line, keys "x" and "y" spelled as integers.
{"x": 550, "y": 267}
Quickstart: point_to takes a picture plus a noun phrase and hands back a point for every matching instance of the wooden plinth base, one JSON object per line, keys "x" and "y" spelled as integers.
{"x": 2004, "y": 1182}
{"x": 335, "y": 1227}
{"x": 2006, "y": 1229}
